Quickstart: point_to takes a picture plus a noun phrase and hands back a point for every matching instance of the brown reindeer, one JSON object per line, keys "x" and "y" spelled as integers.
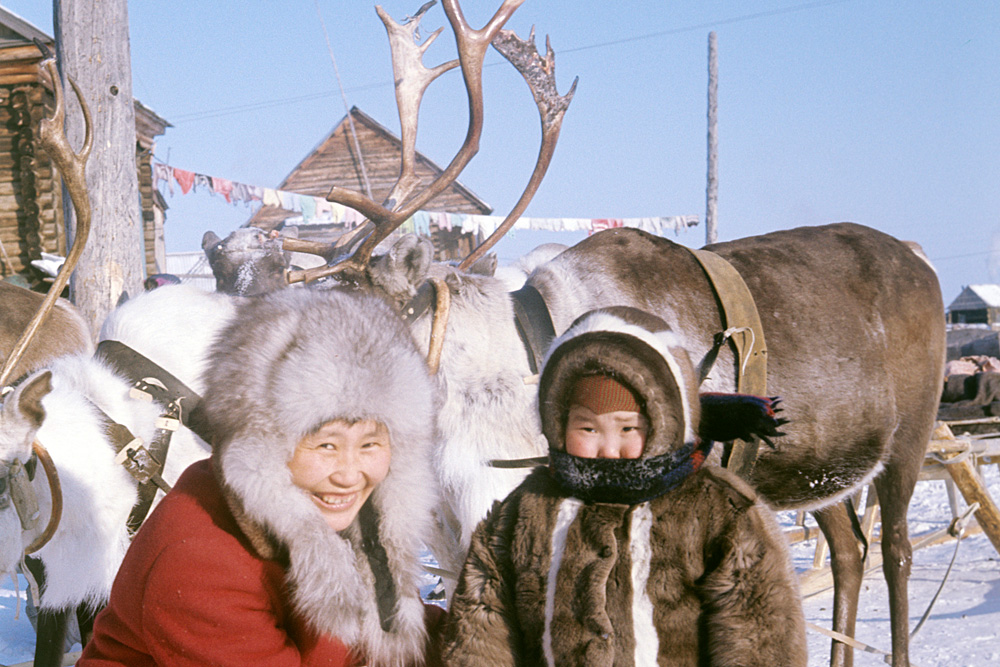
{"x": 64, "y": 332}
{"x": 853, "y": 322}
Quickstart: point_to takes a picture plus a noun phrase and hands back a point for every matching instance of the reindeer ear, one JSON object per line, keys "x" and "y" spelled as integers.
{"x": 208, "y": 241}
{"x": 29, "y": 397}
{"x": 411, "y": 257}
{"x": 486, "y": 266}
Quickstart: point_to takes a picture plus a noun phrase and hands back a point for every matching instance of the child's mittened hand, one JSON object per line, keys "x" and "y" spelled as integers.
{"x": 726, "y": 417}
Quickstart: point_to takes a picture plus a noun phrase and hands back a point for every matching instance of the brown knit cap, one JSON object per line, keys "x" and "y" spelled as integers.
{"x": 601, "y": 394}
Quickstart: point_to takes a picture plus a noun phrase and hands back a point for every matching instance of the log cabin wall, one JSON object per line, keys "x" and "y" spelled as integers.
{"x": 30, "y": 209}
{"x": 31, "y": 213}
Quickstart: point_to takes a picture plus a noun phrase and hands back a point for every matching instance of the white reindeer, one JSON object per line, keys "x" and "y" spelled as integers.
{"x": 60, "y": 407}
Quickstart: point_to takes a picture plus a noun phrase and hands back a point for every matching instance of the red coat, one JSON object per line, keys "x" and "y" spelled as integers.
{"x": 192, "y": 591}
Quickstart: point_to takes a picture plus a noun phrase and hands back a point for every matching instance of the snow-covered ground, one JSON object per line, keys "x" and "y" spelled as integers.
{"x": 962, "y": 631}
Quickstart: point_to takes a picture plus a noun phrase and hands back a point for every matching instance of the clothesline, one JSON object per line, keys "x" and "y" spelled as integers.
{"x": 318, "y": 211}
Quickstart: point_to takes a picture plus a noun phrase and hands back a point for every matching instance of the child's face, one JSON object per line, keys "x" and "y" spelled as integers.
{"x": 339, "y": 465}
{"x": 611, "y": 435}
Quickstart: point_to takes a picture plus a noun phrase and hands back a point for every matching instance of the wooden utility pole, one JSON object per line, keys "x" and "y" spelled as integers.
{"x": 92, "y": 47}
{"x": 712, "y": 188}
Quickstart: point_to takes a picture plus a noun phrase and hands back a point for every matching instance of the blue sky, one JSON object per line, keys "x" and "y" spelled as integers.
{"x": 882, "y": 113}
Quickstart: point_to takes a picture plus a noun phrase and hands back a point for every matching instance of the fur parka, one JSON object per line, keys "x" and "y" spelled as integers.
{"x": 287, "y": 363}
{"x": 696, "y": 575}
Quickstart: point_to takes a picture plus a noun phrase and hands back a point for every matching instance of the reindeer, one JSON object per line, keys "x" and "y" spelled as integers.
{"x": 65, "y": 331}
{"x": 853, "y": 322}
{"x": 67, "y": 408}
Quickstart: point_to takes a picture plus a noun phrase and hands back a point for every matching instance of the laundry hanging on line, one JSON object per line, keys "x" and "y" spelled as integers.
{"x": 313, "y": 210}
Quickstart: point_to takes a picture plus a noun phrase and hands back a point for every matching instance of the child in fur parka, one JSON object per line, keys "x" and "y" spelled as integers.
{"x": 297, "y": 542}
{"x": 624, "y": 550}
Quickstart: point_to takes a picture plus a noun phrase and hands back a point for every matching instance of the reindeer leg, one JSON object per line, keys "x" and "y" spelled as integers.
{"x": 894, "y": 487}
{"x": 847, "y": 567}
{"x": 85, "y": 615}
{"x": 50, "y": 631}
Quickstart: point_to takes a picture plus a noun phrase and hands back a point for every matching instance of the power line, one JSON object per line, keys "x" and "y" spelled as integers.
{"x": 256, "y": 106}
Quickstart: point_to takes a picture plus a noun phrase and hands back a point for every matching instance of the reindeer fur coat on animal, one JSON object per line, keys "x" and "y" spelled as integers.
{"x": 288, "y": 363}
{"x": 698, "y": 574}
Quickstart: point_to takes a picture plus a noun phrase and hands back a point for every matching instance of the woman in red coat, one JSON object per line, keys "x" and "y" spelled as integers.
{"x": 297, "y": 542}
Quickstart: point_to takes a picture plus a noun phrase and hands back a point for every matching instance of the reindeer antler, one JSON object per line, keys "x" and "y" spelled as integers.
{"x": 472, "y": 46}
{"x": 540, "y": 74}
{"x": 72, "y": 166}
{"x": 412, "y": 78}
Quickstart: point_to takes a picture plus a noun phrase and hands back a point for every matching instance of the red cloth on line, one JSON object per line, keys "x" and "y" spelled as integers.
{"x": 185, "y": 179}
{"x": 224, "y": 187}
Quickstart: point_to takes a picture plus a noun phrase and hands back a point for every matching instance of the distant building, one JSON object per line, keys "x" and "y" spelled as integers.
{"x": 192, "y": 268}
{"x": 31, "y": 212}
{"x": 336, "y": 162}
{"x": 977, "y": 304}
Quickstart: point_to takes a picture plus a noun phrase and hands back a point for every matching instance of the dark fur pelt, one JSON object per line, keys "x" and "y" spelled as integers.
{"x": 719, "y": 589}
{"x": 289, "y": 362}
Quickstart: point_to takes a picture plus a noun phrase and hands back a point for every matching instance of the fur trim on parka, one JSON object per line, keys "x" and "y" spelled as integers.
{"x": 289, "y": 362}
{"x": 640, "y": 351}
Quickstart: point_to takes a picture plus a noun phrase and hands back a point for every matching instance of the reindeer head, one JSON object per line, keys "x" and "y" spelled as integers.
{"x": 351, "y": 257}
{"x": 21, "y": 415}
{"x": 248, "y": 262}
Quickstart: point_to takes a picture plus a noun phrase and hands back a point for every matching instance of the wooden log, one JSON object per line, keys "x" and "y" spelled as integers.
{"x": 959, "y": 458}
{"x": 971, "y": 485}
{"x": 16, "y": 79}
{"x": 27, "y": 52}
{"x": 817, "y": 580}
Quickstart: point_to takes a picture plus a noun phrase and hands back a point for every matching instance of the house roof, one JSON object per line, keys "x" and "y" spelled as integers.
{"x": 977, "y": 297}
{"x": 14, "y": 30}
{"x": 334, "y": 161}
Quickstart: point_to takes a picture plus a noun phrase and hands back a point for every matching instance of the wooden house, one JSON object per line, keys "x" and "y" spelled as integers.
{"x": 977, "y": 304}
{"x": 31, "y": 213}
{"x": 376, "y": 162}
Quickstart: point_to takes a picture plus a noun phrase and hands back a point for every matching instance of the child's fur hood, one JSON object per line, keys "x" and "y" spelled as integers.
{"x": 287, "y": 363}
{"x": 637, "y": 349}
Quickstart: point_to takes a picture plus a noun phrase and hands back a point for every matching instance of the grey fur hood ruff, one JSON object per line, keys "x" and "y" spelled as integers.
{"x": 288, "y": 362}
{"x": 639, "y": 350}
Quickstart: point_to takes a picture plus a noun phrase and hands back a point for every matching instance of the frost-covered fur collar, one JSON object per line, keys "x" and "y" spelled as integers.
{"x": 639, "y": 350}
{"x": 288, "y": 362}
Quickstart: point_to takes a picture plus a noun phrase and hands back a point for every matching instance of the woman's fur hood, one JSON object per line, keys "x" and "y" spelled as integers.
{"x": 640, "y": 351}
{"x": 287, "y": 363}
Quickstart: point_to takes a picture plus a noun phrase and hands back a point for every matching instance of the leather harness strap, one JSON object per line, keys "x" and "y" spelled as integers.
{"x": 742, "y": 328}
{"x": 145, "y": 465}
{"x": 534, "y": 324}
{"x": 149, "y": 377}
{"x": 536, "y": 331}
{"x": 149, "y": 382}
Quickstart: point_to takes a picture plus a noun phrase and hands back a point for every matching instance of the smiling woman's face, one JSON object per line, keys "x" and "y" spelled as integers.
{"x": 339, "y": 465}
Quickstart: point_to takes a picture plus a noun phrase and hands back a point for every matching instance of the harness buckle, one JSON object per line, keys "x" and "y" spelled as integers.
{"x": 137, "y": 460}
{"x": 140, "y": 395}
{"x": 167, "y": 423}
